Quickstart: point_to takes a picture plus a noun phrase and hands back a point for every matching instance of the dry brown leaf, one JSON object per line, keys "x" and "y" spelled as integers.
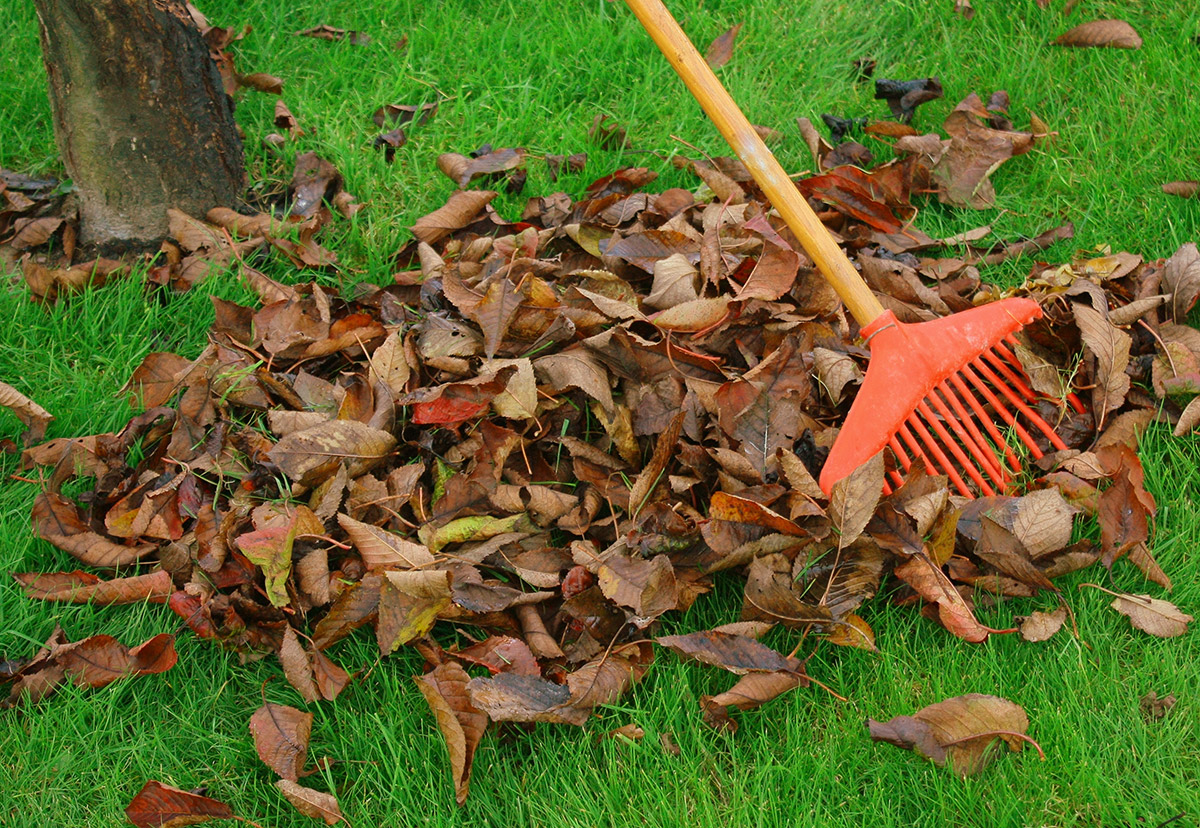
{"x": 852, "y": 631}
{"x": 381, "y": 549}
{"x": 315, "y": 804}
{"x": 1110, "y": 346}
{"x": 1043, "y": 522}
{"x": 281, "y": 736}
{"x": 853, "y": 500}
{"x": 1183, "y": 189}
{"x": 35, "y": 418}
{"x": 389, "y": 364}
{"x": 1189, "y": 419}
{"x": 735, "y": 653}
{"x": 835, "y": 370}
{"x": 1039, "y": 626}
{"x": 82, "y": 588}
{"x": 751, "y": 690}
{"x": 462, "y": 723}
{"x": 575, "y": 368}
{"x": 1181, "y": 276}
{"x": 721, "y": 50}
{"x": 1115, "y": 33}
{"x": 310, "y": 456}
{"x": 459, "y": 211}
{"x": 297, "y": 667}
{"x": 1153, "y": 615}
{"x": 957, "y": 731}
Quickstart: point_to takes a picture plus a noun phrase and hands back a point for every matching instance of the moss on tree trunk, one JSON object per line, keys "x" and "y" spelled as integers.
{"x": 140, "y": 116}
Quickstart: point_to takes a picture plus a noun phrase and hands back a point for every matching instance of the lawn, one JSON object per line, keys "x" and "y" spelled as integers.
{"x": 535, "y": 75}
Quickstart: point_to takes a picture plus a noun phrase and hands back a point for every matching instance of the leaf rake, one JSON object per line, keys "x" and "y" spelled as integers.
{"x": 937, "y": 393}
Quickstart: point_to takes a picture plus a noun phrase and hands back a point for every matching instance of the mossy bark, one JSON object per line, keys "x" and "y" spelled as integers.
{"x": 140, "y": 116}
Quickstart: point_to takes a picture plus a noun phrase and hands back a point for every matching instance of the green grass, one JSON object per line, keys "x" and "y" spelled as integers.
{"x": 535, "y": 75}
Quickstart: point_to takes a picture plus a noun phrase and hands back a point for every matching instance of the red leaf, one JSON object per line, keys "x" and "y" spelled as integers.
{"x": 161, "y": 806}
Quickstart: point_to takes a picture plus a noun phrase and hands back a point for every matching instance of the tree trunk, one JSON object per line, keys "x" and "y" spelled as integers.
{"x": 140, "y": 116}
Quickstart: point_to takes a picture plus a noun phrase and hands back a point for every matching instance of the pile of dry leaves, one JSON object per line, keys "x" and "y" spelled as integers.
{"x": 553, "y": 430}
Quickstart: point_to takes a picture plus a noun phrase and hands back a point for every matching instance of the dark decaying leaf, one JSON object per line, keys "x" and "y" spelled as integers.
{"x": 959, "y": 732}
{"x": 904, "y": 97}
{"x": 281, "y": 735}
{"x": 161, "y": 806}
{"x": 462, "y": 723}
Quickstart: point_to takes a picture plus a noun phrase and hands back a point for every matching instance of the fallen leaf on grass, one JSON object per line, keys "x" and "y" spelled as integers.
{"x": 462, "y": 723}
{"x": 904, "y": 97}
{"x": 281, "y": 736}
{"x": 315, "y": 804}
{"x": 326, "y": 32}
{"x": 82, "y": 587}
{"x": 1183, "y": 189}
{"x": 1115, "y": 33}
{"x": 736, "y": 653}
{"x": 1153, "y": 615}
{"x": 751, "y": 690}
{"x": 721, "y": 49}
{"x": 161, "y": 806}
{"x": 1154, "y": 708}
{"x": 958, "y": 731}
{"x": 94, "y": 662}
{"x": 1039, "y": 626}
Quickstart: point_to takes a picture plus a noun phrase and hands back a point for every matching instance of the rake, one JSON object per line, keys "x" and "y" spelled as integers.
{"x": 937, "y": 393}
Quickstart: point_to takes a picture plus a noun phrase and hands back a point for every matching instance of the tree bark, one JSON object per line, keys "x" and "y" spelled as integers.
{"x": 140, "y": 116}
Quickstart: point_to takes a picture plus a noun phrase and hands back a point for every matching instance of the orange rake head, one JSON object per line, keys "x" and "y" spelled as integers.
{"x": 939, "y": 393}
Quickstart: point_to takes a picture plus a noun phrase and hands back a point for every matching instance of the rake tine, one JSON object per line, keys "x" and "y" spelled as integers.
{"x": 985, "y": 418}
{"x": 1029, "y": 413}
{"x": 1072, "y": 399}
{"x": 933, "y": 448}
{"x": 1009, "y": 418}
{"x": 962, "y": 424}
{"x": 915, "y": 447}
{"x": 958, "y": 453}
{"x": 1006, "y": 371}
{"x": 898, "y": 450}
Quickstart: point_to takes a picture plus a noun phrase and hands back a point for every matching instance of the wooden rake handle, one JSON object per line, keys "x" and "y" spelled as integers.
{"x": 779, "y": 189}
